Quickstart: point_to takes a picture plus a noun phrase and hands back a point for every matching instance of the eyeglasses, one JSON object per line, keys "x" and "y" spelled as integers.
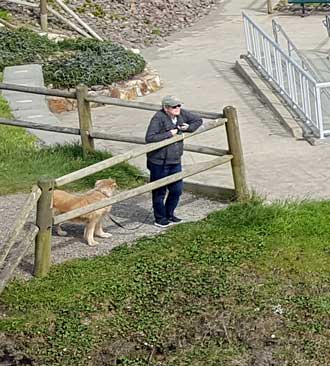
{"x": 176, "y": 106}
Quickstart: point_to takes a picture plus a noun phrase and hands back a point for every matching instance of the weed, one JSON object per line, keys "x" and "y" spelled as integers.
{"x": 156, "y": 31}
{"x": 4, "y": 14}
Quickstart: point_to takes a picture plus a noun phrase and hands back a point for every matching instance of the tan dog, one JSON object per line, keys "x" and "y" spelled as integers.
{"x": 64, "y": 202}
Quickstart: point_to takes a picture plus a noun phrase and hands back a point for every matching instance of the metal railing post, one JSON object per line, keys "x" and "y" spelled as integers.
{"x": 319, "y": 111}
{"x": 235, "y": 149}
{"x": 44, "y": 223}
{"x": 85, "y": 119}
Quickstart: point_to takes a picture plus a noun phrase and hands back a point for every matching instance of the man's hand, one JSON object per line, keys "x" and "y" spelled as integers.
{"x": 184, "y": 127}
{"x": 174, "y": 131}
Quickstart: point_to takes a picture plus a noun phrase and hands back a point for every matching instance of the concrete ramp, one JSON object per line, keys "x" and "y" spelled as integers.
{"x": 32, "y": 107}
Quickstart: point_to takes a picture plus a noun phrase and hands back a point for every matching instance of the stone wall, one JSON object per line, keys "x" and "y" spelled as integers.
{"x": 141, "y": 84}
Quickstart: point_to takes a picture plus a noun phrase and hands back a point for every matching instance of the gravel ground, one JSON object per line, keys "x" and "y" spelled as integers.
{"x": 135, "y": 215}
{"x": 151, "y": 21}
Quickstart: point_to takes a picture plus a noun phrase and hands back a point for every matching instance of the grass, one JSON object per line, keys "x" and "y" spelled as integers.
{"x": 249, "y": 285}
{"x": 22, "y": 162}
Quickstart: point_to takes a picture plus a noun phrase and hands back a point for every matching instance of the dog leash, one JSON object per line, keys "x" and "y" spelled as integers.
{"x": 133, "y": 228}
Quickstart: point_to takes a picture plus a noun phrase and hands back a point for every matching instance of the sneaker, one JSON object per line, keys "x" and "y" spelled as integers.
{"x": 174, "y": 219}
{"x": 162, "y": 223}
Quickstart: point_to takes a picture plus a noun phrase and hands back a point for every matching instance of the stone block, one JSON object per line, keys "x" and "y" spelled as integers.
{"x": 142, "y": 84}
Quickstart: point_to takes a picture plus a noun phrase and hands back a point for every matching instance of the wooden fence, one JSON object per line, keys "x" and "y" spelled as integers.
{"x": 8, "y": 265}
{"x": 42, "y": 194}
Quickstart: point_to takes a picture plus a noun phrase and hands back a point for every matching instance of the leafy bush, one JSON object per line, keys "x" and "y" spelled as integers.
{"x": 69, "y": 62}
{"x": 24, "y": 46}
{"x": 93, "y": 63}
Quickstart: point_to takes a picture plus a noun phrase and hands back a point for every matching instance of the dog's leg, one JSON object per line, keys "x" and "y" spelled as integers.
{"x": 99, "y": 231}
{"x": 89, "y": 233}
{"x": 60, "y": 231}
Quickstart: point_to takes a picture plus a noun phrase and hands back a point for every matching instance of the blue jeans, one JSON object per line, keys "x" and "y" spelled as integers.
{"x": 165, "y": 208}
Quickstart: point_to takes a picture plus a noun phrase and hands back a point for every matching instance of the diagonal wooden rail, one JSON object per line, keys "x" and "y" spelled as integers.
{"x": 132, "y": 154}
{"x": 9, "y": 258}
{"x": 17, "y": 255}
{"x": 196, "y": 168}
{"x": 20, "y": 221}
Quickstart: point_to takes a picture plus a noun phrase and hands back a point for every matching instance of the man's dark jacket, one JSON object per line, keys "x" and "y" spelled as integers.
{"x": 159, "y": 129}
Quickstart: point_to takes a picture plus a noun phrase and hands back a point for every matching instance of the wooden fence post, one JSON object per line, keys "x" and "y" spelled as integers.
{"x": 269, "y": 7}
{"x": 44, "y": 223}
{"x": 235, "y": 149}
{"x": 85, "y": 119}
{"x": 43, "y": 15}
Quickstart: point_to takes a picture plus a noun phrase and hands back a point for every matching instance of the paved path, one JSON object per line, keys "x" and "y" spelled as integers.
{"x": 197, "y": 66}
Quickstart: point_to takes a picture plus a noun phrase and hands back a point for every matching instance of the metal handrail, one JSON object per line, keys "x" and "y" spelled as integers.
{"x": 300, "y": 88}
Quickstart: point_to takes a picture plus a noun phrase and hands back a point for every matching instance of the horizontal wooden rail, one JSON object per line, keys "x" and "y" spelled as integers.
{"x": 40, "y": 126}
{"x": 20, "y": 221}
{"x": 141, "y": 141}
{"x": 145, "y": 106}
{"x": 189, "y": 171}
{"x": 107, "y": 136}
{"x": 38, "y": 90}
{"x": 17, "y": 256}
{"x": 96, "y": 99}
{"x": 71, "y": 177}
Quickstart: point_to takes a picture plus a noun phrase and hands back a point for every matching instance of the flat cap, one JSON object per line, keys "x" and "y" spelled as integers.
{"x": 170, "y": 101}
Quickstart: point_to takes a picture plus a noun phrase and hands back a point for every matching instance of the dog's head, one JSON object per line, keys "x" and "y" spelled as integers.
{"x": 106, "y": 186}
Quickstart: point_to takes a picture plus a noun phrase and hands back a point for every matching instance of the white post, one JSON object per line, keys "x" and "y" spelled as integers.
{"x": 269, "y": 7}
{"x": 319, "y": 113}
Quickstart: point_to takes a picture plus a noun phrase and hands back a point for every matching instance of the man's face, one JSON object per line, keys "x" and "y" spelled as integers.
{"x": 173, "y": 111}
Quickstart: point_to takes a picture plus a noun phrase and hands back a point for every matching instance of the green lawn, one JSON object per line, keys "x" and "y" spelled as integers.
{"x": 249, "y": 285}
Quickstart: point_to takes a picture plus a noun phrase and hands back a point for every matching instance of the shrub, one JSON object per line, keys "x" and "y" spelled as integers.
{"x": 24, "y": 46}
{"x": 69, "y": 62}
{"x": 93, "y": 63}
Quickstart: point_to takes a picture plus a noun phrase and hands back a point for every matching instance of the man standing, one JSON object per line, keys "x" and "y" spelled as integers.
{"x": 168, "y": 122}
